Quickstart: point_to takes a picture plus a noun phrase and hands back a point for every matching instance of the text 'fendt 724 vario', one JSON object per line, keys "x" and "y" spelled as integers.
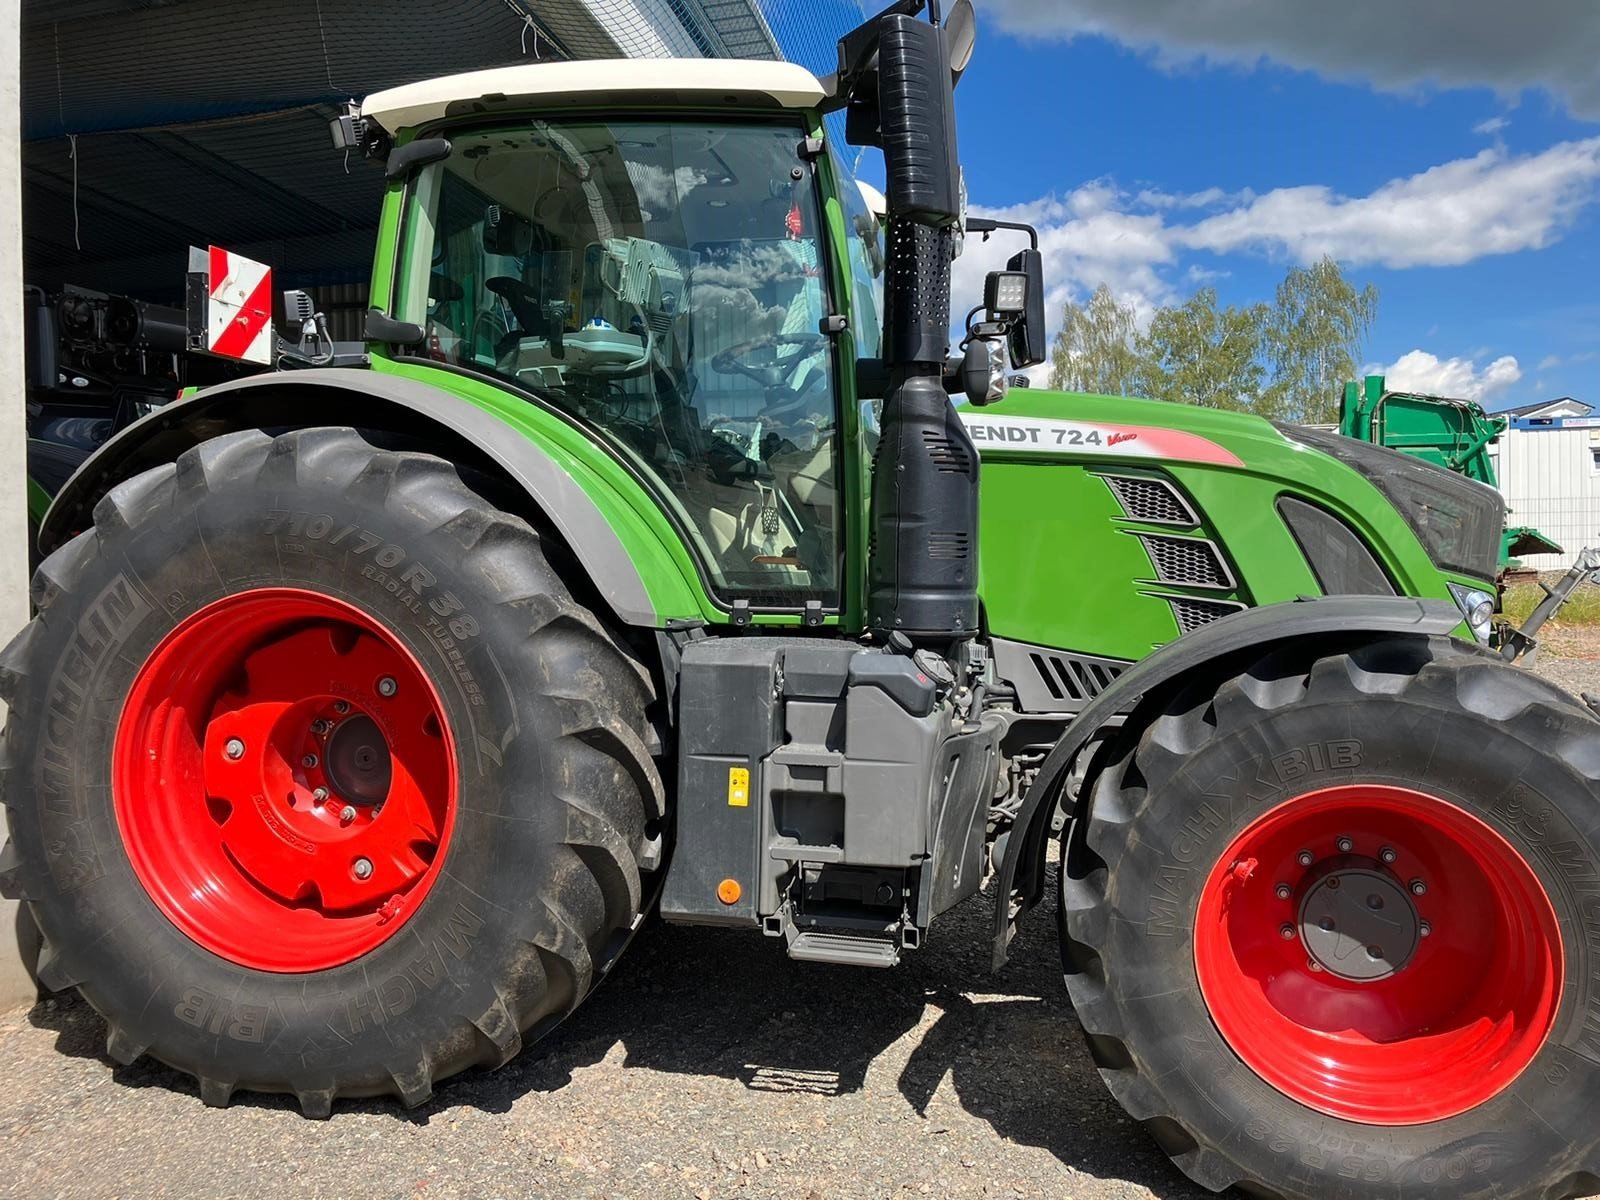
{"x": 637, "y": 562}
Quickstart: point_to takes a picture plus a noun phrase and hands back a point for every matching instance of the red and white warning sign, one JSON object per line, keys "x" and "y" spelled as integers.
{"x": 230, "y": 305}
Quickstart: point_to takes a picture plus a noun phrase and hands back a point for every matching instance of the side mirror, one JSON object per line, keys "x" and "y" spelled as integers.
{"x": 1028, "y": 348}
{"x": 961, "y": 30}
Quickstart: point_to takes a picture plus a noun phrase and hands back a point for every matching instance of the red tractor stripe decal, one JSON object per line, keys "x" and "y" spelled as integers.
{"x": 1044, "y": 435}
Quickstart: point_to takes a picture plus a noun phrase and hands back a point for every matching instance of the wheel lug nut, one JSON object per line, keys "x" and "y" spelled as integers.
{"x": 1418, "y": 888}
{"x": 387, "y": 686}
{"x": 319, "y": 794}
{"x": 1387, "y": 854}
{"x": 1326, "y": 924}
{"x": 347, "y": 814}
{"x": 1424, "y": 929}
{"x": 234, "y": 748}
{"x": 341, "y": 706}
{"x": 1305, "y": 858}
{"x": 1283, "y": 891}
{"x": 1333, "y": 884}
{"x": 320, "y": 726}
{"x": 1374, "y": 902}
{"x": 1374, "y": 952}
{"x": 309, "y": 760}
{"x": 1346, "y": 845}
{"x": 1286, "y": 932}
{"x": 1314, "y": 965}
{"x": 362, "y": 868}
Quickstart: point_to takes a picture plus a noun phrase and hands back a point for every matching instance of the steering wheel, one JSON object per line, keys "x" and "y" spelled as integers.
{"x": 775, "y": 377}
{"x": 524, "y": 301}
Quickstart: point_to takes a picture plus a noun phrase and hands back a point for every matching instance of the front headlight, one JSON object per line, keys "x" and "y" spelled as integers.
{"x": 1457, "y": 520}
{"x": 1477, "y": 609}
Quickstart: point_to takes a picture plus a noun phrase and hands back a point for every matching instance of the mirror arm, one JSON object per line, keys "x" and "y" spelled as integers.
{"x": 987, "y": 225}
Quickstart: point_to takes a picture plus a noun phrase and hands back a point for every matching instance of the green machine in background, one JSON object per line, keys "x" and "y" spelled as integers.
{"x": 1449, "y": 433}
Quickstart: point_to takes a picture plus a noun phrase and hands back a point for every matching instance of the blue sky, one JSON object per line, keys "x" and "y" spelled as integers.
{"x": 1446, "y": 150}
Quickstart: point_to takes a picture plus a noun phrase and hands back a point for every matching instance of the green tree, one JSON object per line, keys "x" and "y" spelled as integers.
{"x": 1313, "y": 340}
{"x": 1198, "y": 353}
{"x": 1094, "y": 350}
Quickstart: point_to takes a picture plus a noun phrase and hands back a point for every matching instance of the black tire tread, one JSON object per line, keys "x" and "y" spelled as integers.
{"x": 1206, "y": 710}
{"x": 603, "y": 741}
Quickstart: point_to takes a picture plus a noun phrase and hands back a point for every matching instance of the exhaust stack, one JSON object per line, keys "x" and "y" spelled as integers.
{"x": 896, "y": 73}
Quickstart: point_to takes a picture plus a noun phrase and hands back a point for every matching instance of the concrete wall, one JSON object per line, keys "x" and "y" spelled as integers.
{"x": 15, "y": 985}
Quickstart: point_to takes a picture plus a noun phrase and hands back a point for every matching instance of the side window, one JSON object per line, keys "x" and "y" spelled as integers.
{"x": 663, "y": 283}
{"x": 864, "y": 236}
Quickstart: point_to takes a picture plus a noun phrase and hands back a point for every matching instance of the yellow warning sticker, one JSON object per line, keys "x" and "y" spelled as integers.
{"x": 738, "y": 787}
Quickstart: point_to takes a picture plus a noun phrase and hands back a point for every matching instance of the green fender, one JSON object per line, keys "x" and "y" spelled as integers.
{"x": 637, "y": 566}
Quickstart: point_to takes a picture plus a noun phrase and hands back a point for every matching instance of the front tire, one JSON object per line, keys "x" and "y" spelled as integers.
{"x": 318, "y": 779}
{"x": 1331, "y": 928}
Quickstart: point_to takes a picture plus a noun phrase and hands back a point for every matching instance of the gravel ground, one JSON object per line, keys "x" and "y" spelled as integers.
{"x": 708, "y": 1066}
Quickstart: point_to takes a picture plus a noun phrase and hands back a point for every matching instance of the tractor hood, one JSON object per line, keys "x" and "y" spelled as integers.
{"x": 1111, "y": 524}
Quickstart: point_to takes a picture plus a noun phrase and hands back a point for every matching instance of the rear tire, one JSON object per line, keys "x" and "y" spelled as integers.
{"x": 299, "y": 581}
{"x": 1241, "y": 1006}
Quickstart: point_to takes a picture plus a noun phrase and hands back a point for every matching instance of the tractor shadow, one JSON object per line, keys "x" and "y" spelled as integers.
{"x": 721, "y": 1004}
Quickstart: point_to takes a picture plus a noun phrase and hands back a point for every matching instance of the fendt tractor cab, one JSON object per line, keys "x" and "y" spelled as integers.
{"x": 641, "y": 560}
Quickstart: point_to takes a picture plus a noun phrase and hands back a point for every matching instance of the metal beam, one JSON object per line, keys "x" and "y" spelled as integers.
{"x": 16, "y": 987}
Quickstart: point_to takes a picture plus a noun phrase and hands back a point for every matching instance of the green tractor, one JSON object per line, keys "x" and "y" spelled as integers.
{"x": 1449, "y": 433}
{"x": 641, "y": 562}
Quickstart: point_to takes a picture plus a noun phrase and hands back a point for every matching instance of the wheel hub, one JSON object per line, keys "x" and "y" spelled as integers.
{"x": 283, "y": 780}
{"x": 1354, "y": 940}
{"x": 1357, "y": 920}
{"x": 358, "y": 761}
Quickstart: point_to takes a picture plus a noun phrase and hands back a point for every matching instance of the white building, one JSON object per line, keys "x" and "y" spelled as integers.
{"x": 1549, "y": 470}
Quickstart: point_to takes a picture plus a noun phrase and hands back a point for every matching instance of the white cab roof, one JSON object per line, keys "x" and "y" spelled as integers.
{"x": 576, "y": 83}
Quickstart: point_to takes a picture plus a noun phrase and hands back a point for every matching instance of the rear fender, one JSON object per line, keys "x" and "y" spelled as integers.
{"x": 449, "y": 425}
{"x": 1021, "y": 853}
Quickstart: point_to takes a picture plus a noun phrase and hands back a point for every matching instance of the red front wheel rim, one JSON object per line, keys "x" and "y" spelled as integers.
{"x": 1378, "y": 954}
{"x": 284, "y": 780}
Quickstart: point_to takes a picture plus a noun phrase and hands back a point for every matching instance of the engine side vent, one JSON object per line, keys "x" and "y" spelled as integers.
{"x": 951, "y": 545}
{"x": 1191, "y": 613}
{"x": 1186, "y": 562}
{"x": 949, "y": 457}
{"x": 1153, "y": 501}
{"x": 1049, "y": 680}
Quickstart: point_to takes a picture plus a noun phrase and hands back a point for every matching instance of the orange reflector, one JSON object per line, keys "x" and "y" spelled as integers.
{"x": 729, "y": 891}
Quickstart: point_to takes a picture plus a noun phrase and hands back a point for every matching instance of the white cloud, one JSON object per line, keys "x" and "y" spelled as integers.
{"x": 1086, "y": 240}
{"x": 1493, "y": 126}
{"x": 1460, "y": 378}
{"x": 1547, "y": 44}
{"x": 1491, "y": 203}
{"x": 1150, "y": 245}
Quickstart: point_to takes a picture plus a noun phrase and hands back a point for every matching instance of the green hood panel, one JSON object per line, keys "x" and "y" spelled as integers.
{"x": 1064, "y": 563}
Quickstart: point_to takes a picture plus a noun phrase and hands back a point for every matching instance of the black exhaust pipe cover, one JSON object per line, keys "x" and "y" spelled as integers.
{"x": 923, "y": 568}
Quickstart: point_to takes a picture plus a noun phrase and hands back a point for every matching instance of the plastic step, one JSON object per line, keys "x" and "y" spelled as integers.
{"x": 844, "y": 949}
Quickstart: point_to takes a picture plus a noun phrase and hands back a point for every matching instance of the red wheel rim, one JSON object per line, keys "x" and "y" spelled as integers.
{"x": 284, "y": 780}
{"x": 1378, "y": 954}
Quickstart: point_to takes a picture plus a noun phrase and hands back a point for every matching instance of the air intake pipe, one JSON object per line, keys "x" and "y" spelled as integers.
{"x": 923, "y": 562}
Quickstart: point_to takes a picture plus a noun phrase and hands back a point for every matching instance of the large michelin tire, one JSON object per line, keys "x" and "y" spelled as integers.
{"x": 318, "y": 779}
{"x": 1332, "y": 928}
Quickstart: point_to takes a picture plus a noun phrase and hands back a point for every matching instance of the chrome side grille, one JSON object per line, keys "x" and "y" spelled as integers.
{"x": 1191, "y": 613}
{"x": 1186, "y": 561}
{"x": 1153, "y": 501}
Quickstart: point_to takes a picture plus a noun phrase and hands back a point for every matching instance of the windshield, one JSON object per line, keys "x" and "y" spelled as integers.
{"x": 662, "y": 282}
